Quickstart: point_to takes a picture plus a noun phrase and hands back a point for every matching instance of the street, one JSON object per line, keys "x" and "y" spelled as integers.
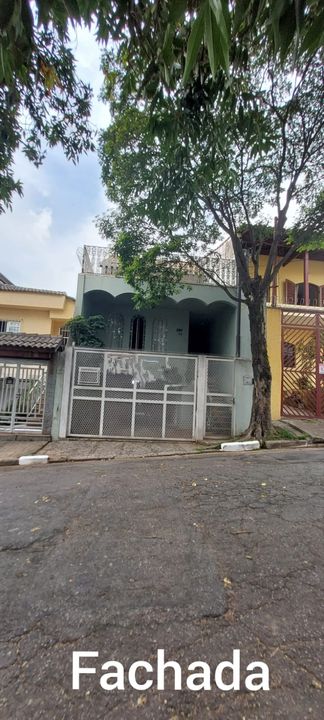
{"x": 196, "y": 555}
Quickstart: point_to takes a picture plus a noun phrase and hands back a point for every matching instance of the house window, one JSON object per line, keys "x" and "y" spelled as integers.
{"x": 115, "y": 331}
{"x": 314, "y": 294}
{"x": 289, "y": 355}
{"x": 137, "y": 333}
{"x": 12, "y": 326}
{"x": 159, "y": 335}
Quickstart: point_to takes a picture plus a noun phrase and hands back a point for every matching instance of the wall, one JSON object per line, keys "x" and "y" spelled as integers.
{"x": 40, "y": 313}
{"x": 274, "y": 352}
{"x": 294, "y": 271}
{"x": 100, "y": 294}
{"x": 32, "y": 321}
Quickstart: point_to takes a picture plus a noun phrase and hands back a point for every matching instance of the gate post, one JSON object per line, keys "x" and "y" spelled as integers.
{"x": 66, "y": 391}
{"x": 201, "y": 396}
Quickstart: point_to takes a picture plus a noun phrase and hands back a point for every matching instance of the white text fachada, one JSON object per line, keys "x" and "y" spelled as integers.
{"x": 142, "y": 675}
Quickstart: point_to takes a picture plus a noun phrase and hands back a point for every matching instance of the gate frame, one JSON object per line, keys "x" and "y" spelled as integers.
{"x": 19, "y": 361}
{"x": 66, "y": 414}
{"x": 317, "y": 313}
{"x": 200, "y": 392}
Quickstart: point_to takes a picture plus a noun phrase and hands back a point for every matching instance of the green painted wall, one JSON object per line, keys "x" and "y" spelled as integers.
{"x": 200, "y": 303}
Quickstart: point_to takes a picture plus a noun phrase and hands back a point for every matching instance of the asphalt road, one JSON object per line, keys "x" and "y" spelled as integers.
{"x": 196, "y": 555}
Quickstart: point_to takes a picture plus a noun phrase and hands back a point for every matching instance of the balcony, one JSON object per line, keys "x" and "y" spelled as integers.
{"x": 290, "y": 293}
{"x": 98, "y": 260}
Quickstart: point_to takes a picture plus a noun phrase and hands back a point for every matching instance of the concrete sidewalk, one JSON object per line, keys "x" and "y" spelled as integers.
{"x": 87, "y": 449}
{"x": 313, "y": 427}
{"x": 11, "y": 450}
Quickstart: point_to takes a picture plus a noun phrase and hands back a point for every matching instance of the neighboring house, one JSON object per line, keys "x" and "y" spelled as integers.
{"x": 30, "y": 310}
{"x": 295, "y": 332}
{"x": 29, "y": 366}
{"x": 179, "y": 370}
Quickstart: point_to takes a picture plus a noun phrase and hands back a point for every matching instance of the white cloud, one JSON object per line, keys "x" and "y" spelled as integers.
{"x": 34, "y": 257}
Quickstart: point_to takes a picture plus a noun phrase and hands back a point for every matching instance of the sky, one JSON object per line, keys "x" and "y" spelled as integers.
{"x": 39, "y": 238}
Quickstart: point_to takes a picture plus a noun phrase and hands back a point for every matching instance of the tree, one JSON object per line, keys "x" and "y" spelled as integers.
{"x": 42, "y": 102}
{"x": 212, "y": 164}
{"x": 84, "y": 331}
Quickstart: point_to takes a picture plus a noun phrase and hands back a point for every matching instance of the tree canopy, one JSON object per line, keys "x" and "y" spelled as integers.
{"x": 42, "y": 101}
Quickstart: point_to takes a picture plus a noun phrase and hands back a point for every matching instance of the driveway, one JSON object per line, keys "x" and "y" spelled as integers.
{"x": 197, "y": 556}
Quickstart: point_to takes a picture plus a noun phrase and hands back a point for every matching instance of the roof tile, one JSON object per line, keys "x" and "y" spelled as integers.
{"x": 30, "y": 341}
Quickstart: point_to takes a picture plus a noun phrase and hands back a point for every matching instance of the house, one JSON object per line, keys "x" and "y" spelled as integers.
{"x": 30, "y": 344}
{"x": 179, "y": 370}
{"x": 295, "y": 331}
{"x": 30, "y": 310}
{"x": 29, "y": 365}
{"x": 199, "y": 319}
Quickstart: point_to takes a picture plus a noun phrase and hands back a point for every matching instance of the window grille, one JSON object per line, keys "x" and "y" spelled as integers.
{"x": 89, "y": 376}
{"x": 115, "y": 331}
{"x": 159, "y": 335}
{"x": 137, "y": 333}
{"x": 12, "y": 326}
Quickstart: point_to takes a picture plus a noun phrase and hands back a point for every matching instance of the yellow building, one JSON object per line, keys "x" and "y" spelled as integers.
{"x": 29, "y": 310}
{"x": 295, "y": 333}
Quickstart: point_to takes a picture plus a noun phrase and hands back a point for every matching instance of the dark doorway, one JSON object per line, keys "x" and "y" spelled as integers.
{"x": 199, "y": 334}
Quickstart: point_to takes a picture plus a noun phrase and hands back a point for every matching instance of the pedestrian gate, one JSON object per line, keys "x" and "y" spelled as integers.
{"x": 302, "y": 364}
{"x": 22, "y": 395}
{"x": 148, "y": 396}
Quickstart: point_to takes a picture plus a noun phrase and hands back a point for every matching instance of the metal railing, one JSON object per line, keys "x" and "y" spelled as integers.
{"x": 98, "y": 260}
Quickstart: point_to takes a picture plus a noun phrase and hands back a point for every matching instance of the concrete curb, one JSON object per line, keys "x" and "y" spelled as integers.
{"x": 270, "y": 445}
{"x": 275, "y": 444}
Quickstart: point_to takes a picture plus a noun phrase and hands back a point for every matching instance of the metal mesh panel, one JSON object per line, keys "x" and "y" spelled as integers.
{"x": 148, "y": 420}
{"x": 85, "y": 418}
{"x": 117, "y": 419}
{"x": 218, "y": 421}
{"x": 90, "y": 361}
{"x": 219, "y": 405}
{"x": 179, "y": 421}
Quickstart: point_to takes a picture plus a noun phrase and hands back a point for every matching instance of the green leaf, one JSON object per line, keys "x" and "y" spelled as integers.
{"x": 215, "y": 43}
{"x": 177, "y": 10}
{"x": 194, "y": 43}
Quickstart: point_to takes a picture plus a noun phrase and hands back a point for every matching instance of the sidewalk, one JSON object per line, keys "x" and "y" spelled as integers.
{"x": 87, "y": 449}
{"x": 313, "y": 427}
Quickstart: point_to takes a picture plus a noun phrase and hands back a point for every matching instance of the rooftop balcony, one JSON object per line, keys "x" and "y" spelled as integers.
{"x": 98, "y": 260}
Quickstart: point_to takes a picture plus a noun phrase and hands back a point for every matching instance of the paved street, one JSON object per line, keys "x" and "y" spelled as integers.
{"x": 197, "y": 555}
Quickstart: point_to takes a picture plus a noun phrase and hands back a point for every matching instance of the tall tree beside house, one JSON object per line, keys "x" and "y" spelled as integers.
{"x": 42, "y": 101}
{"x": 203, "y": 161}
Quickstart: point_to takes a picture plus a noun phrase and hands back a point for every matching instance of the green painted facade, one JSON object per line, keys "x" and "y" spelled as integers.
{"x": 199, "y": 319}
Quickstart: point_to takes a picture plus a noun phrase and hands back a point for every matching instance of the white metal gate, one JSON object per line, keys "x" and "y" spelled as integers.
{"x": 133, "y": 395}
{"x": 22, "y": 395}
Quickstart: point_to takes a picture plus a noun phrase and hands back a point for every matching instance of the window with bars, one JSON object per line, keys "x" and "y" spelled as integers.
{"x": 159, "y": 335}
{"x": 137, "y": 333}
{"x": 12, "y": 326}
{"x": 115, "y": 331}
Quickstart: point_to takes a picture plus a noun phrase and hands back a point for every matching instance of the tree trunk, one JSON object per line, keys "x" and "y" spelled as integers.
{"x": 260, "y": 424}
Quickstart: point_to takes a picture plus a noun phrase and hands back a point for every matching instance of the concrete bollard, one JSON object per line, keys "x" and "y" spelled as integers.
{"x": 244, "y": 445}
{"x": 33, "y": 459}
